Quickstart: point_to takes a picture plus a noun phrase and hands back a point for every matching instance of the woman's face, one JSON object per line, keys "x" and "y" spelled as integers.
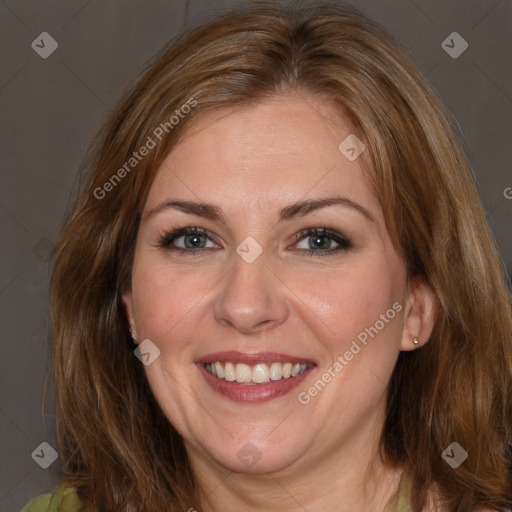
{"x": 256, "y": 295}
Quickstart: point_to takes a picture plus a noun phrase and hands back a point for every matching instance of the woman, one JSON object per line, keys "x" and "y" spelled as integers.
{"x": 277, "y": 289}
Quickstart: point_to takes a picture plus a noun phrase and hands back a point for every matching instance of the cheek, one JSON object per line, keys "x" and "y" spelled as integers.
{"x": 342, "y": 303}
{"x": 165, "y": 295}
{"x": 334, "y": 303}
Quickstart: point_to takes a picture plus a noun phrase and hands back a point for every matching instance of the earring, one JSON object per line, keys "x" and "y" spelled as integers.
{"x": 415, "y": 341}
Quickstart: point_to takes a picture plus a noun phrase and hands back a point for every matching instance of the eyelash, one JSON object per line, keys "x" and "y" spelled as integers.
{"x": 344, "y": 243}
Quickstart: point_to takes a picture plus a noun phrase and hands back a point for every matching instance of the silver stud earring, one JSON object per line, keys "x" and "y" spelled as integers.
{"x": 415, "y": 341}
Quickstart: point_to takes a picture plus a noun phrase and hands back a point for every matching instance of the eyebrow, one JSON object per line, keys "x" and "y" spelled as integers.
{"x": 298, "y": 209}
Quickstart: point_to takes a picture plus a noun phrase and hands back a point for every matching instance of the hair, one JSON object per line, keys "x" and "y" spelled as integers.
{"x": 119, "y": 449}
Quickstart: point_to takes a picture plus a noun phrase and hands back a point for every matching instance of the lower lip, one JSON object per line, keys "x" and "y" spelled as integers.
{"x": 253, "y": 393}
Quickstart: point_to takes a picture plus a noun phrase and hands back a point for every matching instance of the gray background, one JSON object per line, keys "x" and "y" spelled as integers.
{"x": 52, "y": 107}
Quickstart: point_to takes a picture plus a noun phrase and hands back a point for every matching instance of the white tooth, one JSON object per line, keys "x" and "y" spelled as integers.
{"x": 242, "y": 373}
{"x": 229, "y": 372}
{"x": 260, "y": 373}
{"x": 287, "y": 370}
{"x": 295, "y": 369}
{"x": 219, "y": 370}
{"x": 213, "y": 371}
{"x": 276, "y": 371}
{"x": 303, "y": 368}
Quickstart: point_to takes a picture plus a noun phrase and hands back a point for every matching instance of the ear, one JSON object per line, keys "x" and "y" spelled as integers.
{"x": 128, "y": 306}
{"x": 420, "y": 314}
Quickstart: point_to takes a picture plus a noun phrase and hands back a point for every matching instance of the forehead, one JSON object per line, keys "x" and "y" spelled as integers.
{"x": 280, "y": 150}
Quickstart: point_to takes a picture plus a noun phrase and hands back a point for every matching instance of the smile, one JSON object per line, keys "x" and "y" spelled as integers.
{"x": 255, "y": 377}
{"x": 255, "y": 374}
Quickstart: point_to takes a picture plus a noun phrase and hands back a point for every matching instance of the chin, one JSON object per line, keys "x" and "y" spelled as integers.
{"x": 254, "y": 456}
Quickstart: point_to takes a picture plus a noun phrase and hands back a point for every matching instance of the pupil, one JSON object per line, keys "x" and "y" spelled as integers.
{"x": 195, "y": 241}
{"x": 318, "y": 239}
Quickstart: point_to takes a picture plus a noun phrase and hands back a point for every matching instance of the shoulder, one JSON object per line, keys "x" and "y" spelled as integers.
{"x": 64, "y": 499}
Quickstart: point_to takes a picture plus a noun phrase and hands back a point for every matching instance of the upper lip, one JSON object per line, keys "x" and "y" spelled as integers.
{"x": 252, "y": 357}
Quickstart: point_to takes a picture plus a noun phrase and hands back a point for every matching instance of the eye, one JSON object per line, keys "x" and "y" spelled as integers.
{"x": 194, "y": 240}
{"x": 188, "y": 240}
{"x": 321, "y": 239}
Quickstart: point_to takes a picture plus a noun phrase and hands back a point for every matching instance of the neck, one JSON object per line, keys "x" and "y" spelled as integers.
{"x": 346, "y": 493}
{"x": 346, "y": 478}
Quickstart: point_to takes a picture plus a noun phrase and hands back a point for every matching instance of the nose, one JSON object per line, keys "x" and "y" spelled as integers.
{"x": 252, "y": 297}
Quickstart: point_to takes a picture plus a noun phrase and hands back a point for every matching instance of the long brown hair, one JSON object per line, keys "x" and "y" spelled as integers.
{"x": 118, "y": 447}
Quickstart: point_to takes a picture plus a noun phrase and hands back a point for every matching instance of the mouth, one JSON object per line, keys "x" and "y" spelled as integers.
{"x": 254, "y": 377}
{"x": 255, "y": 374}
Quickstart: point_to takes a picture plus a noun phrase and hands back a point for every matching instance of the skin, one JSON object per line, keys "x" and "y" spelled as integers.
{"x": 251, "y": 162}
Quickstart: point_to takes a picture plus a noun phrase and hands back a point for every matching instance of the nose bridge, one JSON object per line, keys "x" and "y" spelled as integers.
{"x": 251, "y": 296}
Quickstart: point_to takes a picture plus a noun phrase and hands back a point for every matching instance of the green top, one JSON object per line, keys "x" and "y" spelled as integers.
{"x": 402, "y": 503}
{"x": 65, "y": 500}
